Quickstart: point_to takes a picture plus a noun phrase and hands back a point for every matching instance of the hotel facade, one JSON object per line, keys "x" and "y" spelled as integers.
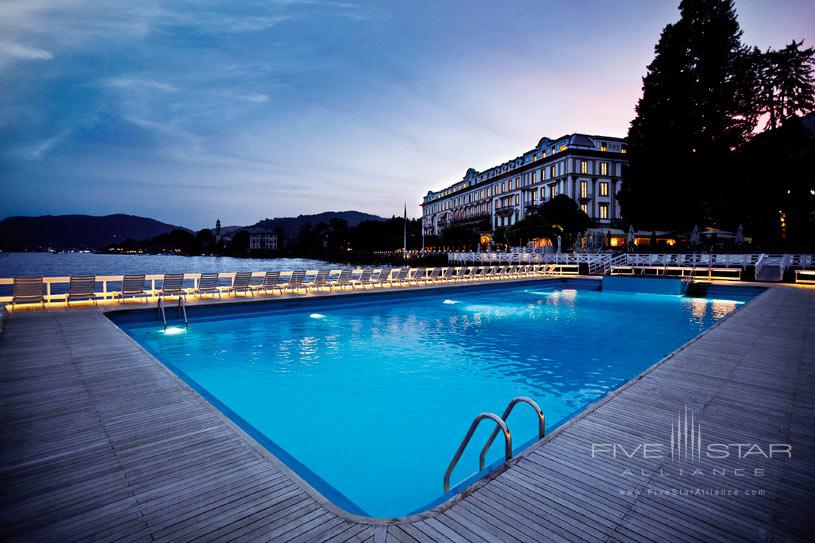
{"x": 585, "y": 168}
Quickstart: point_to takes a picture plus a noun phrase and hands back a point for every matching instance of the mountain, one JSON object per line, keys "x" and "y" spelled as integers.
{"x": 291, "y": 225}
{"x": 76, "y": 231}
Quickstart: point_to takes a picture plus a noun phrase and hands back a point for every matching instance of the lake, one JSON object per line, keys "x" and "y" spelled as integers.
{"x": 64, "y": 264}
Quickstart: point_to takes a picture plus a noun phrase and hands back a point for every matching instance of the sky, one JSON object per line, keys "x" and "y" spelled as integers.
{"x": 192, "y": 111}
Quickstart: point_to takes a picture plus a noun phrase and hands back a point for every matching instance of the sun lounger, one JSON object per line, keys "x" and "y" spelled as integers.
{"x": 271, "y": 281}
{"x": 342, "y": 281}
{"x": 208, "y": 284}
{"x": 81, "y": 288}
{"x": 133, "y": 285}
{"x": 242, "y": 283}
{"x": 173, "y": 285}
{"x": 27, "y": 290}
{"x": 363, "y": 279}
{"x": 320, "y": 280}
{"x": 296, "y": 281}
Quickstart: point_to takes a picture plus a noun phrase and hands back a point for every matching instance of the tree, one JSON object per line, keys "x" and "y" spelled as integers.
{"x": 459, "y": 237}
{"x": 563, "y": 214}
{"x": 697, "y": 106}
{"x": 786, "y": 83}
{"x": 529, "y": 228}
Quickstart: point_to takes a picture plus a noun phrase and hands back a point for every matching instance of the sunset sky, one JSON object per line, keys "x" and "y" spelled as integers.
{"x": 191, "y": 111}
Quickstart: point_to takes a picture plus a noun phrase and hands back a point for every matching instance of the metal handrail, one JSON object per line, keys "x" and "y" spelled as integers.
{"x": 507, "y": 443}
{"x": 515, "y": 401}
{"x": 161, "y": 313}
{"x": 182, "y": 310}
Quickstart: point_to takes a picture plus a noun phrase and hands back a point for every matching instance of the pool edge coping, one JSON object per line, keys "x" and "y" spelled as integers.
{"x": 472, "y": 488}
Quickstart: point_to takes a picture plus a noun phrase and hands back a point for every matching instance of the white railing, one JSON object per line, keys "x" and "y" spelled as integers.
{"x": 605, "y": 260}
{"x": 415, "y": 276}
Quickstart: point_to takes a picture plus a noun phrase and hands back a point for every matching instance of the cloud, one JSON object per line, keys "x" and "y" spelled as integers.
{"x": 18, "y": 51}
{"x": 125, "y": 82}
{"x": 257, "y": 98}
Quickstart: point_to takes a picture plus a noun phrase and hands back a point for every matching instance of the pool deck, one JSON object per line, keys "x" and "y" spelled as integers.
{"x": 101, "y": 442}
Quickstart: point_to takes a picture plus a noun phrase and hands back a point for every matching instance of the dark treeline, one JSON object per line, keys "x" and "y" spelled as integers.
{"x": 694, "y": 153}
{"x": 334, "y": 240}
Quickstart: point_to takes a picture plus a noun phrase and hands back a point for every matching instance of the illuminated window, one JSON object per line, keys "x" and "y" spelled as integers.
{"x": 604, "y": 168}
{"x": 584, "y": 208}
{"x": 624, "y": 149}
{"x": 604, "y": 188}
{"x": 584, "y": 189}
{"x": 562, "y": 147}
{"x": 604, "y": 211}
{"x": 584, "y": 166}
{"x": 534, "y": 177}
{"x": 516, "y": 199}
{"x": 603, "y": 146}
{"x": 551, "y": 172}
{"x": 517, "y": 182}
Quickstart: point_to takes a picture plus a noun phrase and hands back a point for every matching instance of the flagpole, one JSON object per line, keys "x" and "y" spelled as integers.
{"x": 404, "y": 238}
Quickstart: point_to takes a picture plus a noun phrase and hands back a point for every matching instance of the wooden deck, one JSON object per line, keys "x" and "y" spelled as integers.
{"x": 100, "y": 442}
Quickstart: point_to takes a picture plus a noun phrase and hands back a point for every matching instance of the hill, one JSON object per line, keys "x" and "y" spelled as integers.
{"x": 76, "y": 231}
{"x": 291, "y": 225}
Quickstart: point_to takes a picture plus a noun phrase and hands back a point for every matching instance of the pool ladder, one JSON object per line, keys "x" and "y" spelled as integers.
{"x": 500, "y": 426}
{"x": 182, "y": 311}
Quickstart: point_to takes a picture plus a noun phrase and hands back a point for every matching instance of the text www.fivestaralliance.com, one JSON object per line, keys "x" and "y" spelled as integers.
{"x": 667, "y": 492}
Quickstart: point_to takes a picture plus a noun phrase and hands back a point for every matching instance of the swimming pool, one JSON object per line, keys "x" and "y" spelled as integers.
{"x": 368, "y": 397}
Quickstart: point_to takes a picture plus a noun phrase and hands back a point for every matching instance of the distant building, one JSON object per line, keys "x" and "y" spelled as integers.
{"x": 218, "y": 231}
{"x": 262, "y": 240}
{"x": 586, "y": 168}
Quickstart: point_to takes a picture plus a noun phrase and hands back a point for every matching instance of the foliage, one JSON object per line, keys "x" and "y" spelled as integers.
{"x": 459, "y": 237}
{"x": 703, "y": 96}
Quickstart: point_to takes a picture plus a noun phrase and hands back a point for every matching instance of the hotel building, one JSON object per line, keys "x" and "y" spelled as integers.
{"x": 585, "y": 168}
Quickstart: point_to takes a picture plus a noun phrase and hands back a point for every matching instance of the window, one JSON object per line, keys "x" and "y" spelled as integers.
{"x": 604, "y": 211}
{"x": 534, "y": 177}
{"x": 503, "y": 186}
{"x": 604, "y": 188}
{"x": 603, "y": 146}
{"x": 562, "y": 147}
{"x": 604, "y": 168}
{"x": 551, "y": 172}
{"x": 516, "y": 199}
{"x": 584, "y": 189}
{"x": 624, "y": 149}
{"x": 584, "y": 166}
{"x": 584, "y": 208}
{"x": 517, "y": 182}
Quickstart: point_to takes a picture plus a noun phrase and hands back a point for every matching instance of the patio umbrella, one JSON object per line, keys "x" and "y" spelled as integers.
{"x": 630, "y": 238}
{"x": 577, "y": 242}
{"x": 558, "y": 243}
{"x": 740, "y": 236}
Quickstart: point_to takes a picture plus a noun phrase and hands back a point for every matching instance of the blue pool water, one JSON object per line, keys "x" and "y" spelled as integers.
{"x": 368, "y": 397}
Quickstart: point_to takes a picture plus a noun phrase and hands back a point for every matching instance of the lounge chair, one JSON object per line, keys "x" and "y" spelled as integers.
{"x": 363, "y": 279}
{"x": 401, "y": 277}
{"x": 320, "y": 280}
{"x": 173, "y": 285}
{"x": 380, "y": 278}
{"x": 27, "y": 290}
{"x": 271, "y": 281}
{"x": 242, "y": 283}
{"x": 296, "y": 281}
{"x": 133, "y": 285}
{"x": 343, "y": 280}
{"x": 431, "y": 275}
{"x": 208, "y": 284}
{"x": 81, "y": 288}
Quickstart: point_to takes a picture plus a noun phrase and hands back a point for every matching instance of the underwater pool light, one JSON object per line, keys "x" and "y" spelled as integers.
{"x": 174, "y": 330}
{"x": 317, "y": 316}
